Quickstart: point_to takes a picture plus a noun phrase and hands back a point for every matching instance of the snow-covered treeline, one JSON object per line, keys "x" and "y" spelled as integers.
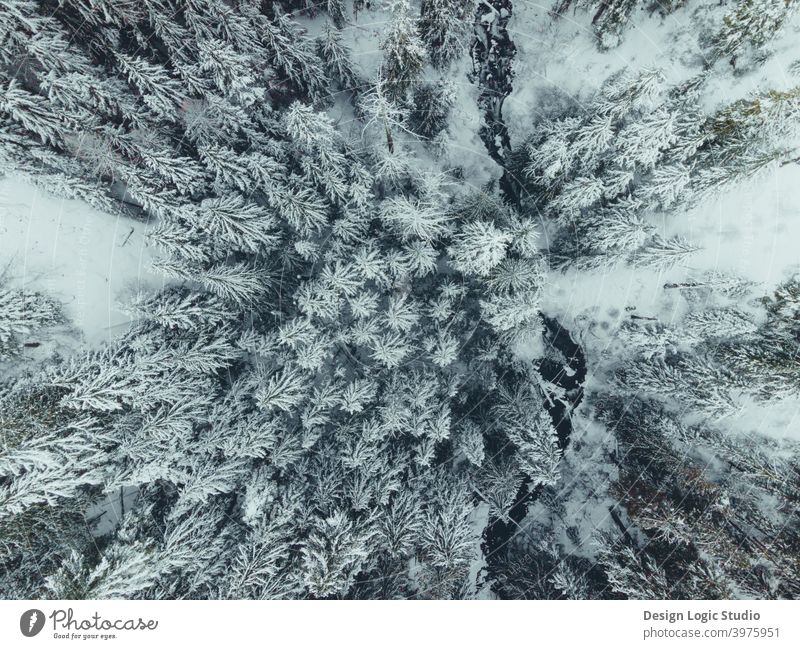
{"x": 359, "y": 375}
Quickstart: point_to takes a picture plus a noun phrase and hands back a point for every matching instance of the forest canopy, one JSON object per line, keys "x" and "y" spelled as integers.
{"x": 351, "y": 380}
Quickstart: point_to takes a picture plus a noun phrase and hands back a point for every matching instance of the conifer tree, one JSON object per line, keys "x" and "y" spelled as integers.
{"x": 432, "y": 103}
{"x": 22, "y": 314}
{"x": 404, "y": 53}
{"x": 751, "y": 22}
{"x": 340, "y": 376}
{"x": 443, "y": 27}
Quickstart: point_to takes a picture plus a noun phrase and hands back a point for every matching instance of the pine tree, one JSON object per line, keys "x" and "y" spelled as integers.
{"x": 383, "y": 113}
{"x": 404, "y": 53}
{"x": 631, "y": 573}
{"x": 478, "y": 248}
{"x": 125, "y": 571}
{"x": 767, "y": 357}
{"x": 432, "y": 104}
{"x": 337, "y": 58}
{"x": 692, "y": 521}
{"x": 718, "y": 323}
{"x": 723, "y": 283}
{"x": 663, "y": 253}
{"x": 752, "y": 22}
{"x": 333, "y": 555}
{"x": 444, "y": 26}
{"x": 35, "y": 114}
{"x": 22, "y": 314}
{"x": 610, "y": 19}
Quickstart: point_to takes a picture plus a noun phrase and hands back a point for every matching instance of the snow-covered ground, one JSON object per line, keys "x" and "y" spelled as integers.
{"x": 747, "y": 230}
{"x": 558, "y": 60}
{"x": 89, "y": 260}
{"x": 85, "y": 259}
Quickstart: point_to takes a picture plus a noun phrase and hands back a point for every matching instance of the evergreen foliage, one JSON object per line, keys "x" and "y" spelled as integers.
{"x": 349, "y": 384}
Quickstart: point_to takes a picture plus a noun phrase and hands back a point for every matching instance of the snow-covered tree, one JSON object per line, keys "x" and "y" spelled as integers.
{"x": 684, "y": 521}
{"x": 383, "y": 113}
{"x": 337, "y": 59}
{"x": 404, "y": 53}
{"x": 610, "y": 18}
{"x": 21, "y": 314}
{"x": 342, "y": 373}
{"x": 444, "y": 26}
{"x": 432, "y": 103}
{"x": 663, "y": 253}
{"x": 478, "y": 248}
{"x": 766, "y": 357}
{"x": 751, "y": 22}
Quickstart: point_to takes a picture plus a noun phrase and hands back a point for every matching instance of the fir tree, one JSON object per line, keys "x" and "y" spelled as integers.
{"x": 751, "y": 22}
{"x": 21, "y": 314}
{"x": 444, "y": 26}
{"x": 404, "y": 53}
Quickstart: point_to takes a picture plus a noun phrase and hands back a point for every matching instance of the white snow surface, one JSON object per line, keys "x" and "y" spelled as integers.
{"x": 84, "y": 258}
{"x": 747, "y": 230}
{"x": 89, "y": 260}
